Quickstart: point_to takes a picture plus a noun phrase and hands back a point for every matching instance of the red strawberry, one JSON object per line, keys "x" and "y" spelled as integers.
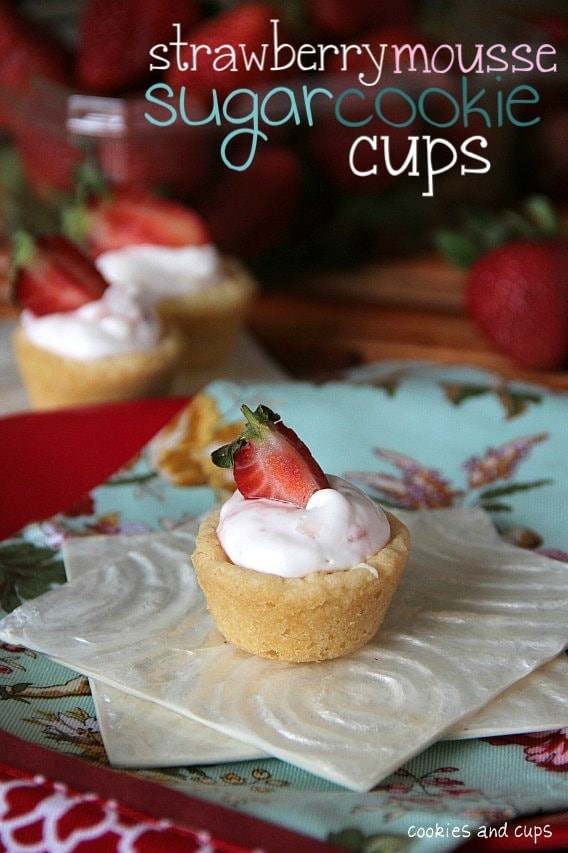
{"x": 176, "y": 161}
{"x": 127, "y": 217}
{"x": 28, "y": 50}
{"x": 516, "y": 287}
{"x": 337, "y": 18}
{"x": 246, "y": 25}
{"x": 50, "y": 274}
{"x": 518, "y": 294}
{"x": 270, "y": 461}
{"x": 49, "y": 158}
{"x": 248, "y": 212}
{"x": 114, "y": 39}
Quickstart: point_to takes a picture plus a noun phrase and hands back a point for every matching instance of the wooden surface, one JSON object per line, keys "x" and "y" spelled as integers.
{"x": 408, "y": 309}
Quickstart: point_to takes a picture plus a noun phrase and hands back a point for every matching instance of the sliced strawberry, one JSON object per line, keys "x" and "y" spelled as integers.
{"x": 127, "y": 217}
{"x": 50, "y": 274}
{"x": 270, "y": 461}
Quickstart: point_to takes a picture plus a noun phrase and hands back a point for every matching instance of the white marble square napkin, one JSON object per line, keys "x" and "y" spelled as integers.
{"x": 471, "y": 617}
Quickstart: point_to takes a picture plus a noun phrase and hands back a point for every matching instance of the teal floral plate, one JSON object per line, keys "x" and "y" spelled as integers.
{"x": 414, "y": 437}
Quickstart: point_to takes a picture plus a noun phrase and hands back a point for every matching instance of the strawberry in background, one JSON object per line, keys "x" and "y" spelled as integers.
{"x": 248, "y": 212}
{"x": 246, "y": 23}
{"x": 27, "y": 50}
{"x": 516, "y": 286}
{"x": 338, "y": 19}
{"x": 115, "y": 36}
{"x": 115, "y": 218}
{"x": 49, "y": 155}
{"x": 175, "y": 161}
{"x": 518, "y": 295}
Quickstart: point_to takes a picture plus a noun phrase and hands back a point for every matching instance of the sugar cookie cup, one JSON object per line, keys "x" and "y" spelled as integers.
{"x": 211, "y": 320}
{"x": 55, "y": 381}
{"x": 313, "y": 618}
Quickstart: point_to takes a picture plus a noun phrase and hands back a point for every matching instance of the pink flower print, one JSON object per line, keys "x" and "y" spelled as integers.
{"x": 9, "y": 665}
{"x": 548, "y": 750}
{"x": 418, "y": 488}
{"x": 500, "y": 463}
{"x": 424, "y": 789}
{"x": 53, "y": 534}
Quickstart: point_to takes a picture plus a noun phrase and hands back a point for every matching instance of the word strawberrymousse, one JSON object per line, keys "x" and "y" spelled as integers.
{"x": 296, "y": 565}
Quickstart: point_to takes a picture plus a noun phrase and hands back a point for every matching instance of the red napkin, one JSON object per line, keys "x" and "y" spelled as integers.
{"x": 49, "y": 460}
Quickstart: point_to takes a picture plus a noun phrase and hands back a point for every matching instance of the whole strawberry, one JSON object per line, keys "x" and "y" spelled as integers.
{"x": 114, "y": 39}
{"x": 270, "y": 461}
{"x": 516, "y": 285}
{"x": 49, "y": 159}
{"x": 246, "y": 26}
{"x": 337, "y": 18}
{"x": 270, "y": 189}
{"x": 28, "y": 50}
{"x": 518, "y": 295}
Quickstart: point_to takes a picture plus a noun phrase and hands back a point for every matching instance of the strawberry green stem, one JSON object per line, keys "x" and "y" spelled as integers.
{"x": 258, "y": 421}
{"x": 23, "y": 251}
{"x": 482, "y": 231}
{"x": 76, "y": 222}
{"x": 91, "y": 182}
{"x": 76, "y": 219}
{"x": 544, "y": 215}
{"x": 258, "y": 424}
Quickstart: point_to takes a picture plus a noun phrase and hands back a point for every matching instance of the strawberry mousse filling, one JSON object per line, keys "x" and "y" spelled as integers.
{"x": 339, "y": 528}
{"x": 158, "y": 271}
{"x": 116, "y": 323}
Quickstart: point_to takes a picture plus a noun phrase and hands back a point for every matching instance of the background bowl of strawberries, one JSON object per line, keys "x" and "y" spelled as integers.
{"x": 73, "y": 79}
{"x": 73, "y": 83}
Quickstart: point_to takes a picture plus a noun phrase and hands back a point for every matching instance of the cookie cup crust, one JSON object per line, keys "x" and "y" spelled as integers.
{"x": 210, "y": 321}
{"x": 317, "y": 617}
{"x": 55, "y": 381}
